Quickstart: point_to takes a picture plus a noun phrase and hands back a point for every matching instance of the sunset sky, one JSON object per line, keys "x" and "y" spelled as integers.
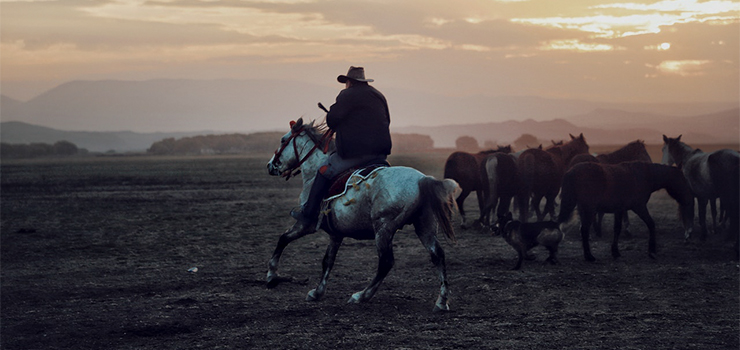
{"x": 637, "y": 50}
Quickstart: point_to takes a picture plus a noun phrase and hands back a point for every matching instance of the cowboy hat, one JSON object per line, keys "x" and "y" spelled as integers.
{"x": 354, "y": 73}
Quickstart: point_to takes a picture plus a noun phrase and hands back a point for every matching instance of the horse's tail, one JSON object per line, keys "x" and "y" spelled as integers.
{"x": 439, "y": 195}
{"x": 568, "y": 197}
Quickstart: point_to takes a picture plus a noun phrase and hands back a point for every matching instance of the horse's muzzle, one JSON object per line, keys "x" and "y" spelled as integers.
{"x": 272, "y": 169}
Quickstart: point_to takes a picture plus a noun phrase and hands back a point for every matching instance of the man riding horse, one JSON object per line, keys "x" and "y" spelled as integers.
{"x": 361, "y": 121}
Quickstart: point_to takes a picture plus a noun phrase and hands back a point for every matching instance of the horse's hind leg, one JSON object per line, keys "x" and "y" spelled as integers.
{"x": 327, "y": 264}
{"x": 273, "y": 279}
{"x": 461, "y": 205}
{"x": 425, "y": 231}
{"x": 617, "y": 231}
{"x": 384, "y": 243}
{"x": 587, "y": 218}
{"x": 645, "y": 216}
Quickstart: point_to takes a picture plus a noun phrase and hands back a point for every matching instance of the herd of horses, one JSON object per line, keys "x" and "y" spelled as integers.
{"x": 375, "y": 206}
{"x": 615, "y": 182}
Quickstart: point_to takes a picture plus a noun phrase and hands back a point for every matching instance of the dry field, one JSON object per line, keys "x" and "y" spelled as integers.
{"x": 95, "y": 254}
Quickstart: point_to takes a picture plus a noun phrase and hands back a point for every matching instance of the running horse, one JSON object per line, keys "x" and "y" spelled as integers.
{"x": 464, "y": 168}
{"x": 607, "y": 188}
{"x": 542, "y": 174}
{"x": 372, "y": 207}
{"x": 710, "y": 175}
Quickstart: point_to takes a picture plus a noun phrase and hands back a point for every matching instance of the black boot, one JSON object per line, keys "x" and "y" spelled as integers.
{"x": 307, "y": 218}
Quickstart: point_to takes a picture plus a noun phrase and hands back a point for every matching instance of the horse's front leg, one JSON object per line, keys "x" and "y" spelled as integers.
{"x": 702, "y": 202}
{"x": 626, "y": 225}
{"x": 597, "y": 224}
{"x": 617, "y": 231}
{"x": 273, "y": 279}
{"x": 384, "y": 244}
{"x": 550, "y": 207}
{"x": 713, "y": 208}
{"x": 327, "y": 264}
{"x": 643, "y": 213}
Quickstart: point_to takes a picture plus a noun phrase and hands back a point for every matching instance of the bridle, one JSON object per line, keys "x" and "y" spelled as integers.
{"x": 324, "y": 140}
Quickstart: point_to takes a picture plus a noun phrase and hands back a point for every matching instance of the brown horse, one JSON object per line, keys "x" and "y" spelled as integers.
{"x": 633, "y": 151}
{"x": 542, "y": 173}
{"x": 464, "y": 168}
{"x": 607, "y": 188}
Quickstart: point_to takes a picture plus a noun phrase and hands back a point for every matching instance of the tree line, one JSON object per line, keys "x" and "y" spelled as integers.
{"x": 262, "y": 143}
{"x": 40, "y": 149}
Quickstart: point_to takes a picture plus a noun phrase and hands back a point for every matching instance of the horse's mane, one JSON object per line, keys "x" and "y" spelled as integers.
{"x": 634, "y": 150}
{"x": 500, "y": 149}
{"x": 318, "y": 130}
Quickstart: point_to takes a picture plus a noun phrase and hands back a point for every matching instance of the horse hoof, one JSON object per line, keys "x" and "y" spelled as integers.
{"x": 313, "y": 296}
{"x": 272, "y": 280}
{"x": 590, "y": 258}
{"x": 355, "y": 298}
{"x": 441, "y": 308}
{"x": 652, "y": 256}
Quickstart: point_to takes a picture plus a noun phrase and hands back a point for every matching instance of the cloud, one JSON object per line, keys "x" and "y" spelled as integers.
{"x": 685, "y": 68}
{"x": 645, "y": 19}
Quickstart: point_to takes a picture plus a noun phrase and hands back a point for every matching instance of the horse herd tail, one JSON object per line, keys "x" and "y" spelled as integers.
{"x": 568, "y": 198}
{"x": 439, "y": 195}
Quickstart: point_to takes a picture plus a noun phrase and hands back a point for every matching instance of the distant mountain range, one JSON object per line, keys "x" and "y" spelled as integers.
{"x": 601, "y": 126}
{"x": 131, "y": 115}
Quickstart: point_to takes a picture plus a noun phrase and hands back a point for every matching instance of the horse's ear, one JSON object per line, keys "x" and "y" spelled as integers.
{"x": 295, "y": 126}
{"x": 665, "y": 139}
{"x": 572, "y": 137}
{"x": 679, "y": 137}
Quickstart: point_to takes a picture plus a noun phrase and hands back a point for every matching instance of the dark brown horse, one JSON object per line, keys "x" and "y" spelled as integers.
{"x": 464, "y": 168}
{"x": 633, "y": 151}
{"x": 542, "y": 173}
{"x": 595, "y": 188}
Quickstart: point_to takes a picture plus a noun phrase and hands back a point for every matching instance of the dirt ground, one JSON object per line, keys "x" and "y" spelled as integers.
{"x": 96, "y": 254}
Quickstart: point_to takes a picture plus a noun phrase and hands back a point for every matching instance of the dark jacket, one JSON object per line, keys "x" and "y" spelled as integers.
{"x": 361, "y": 120}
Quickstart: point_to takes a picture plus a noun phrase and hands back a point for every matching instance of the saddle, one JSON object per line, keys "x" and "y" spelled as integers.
{"x": 340, "y": 183}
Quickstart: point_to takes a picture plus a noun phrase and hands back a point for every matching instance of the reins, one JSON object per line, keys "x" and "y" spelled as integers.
{"x": 324, "y": 140}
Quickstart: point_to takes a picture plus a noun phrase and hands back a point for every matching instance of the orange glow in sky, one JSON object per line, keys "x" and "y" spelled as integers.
{"x": 688, "y": 49}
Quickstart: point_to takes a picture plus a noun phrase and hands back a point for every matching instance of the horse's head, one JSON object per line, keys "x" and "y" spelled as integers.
{"x": 297, "y": 146}
{"x": 671, "y": 147}
{"x": 284, "y": 161}
{"x": 576, "y": 146}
